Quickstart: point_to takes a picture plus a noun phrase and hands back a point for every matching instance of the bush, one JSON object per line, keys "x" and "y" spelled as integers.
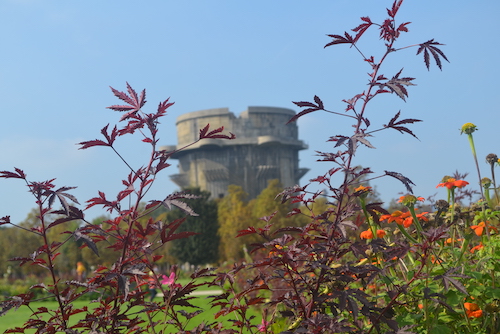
{"x": 347, "y": 269}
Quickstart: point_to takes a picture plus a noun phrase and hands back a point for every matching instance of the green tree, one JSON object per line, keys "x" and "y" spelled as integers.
{"x": 234, "y": 215}
{"x": 267, "y": 204}
{"x": 22, "y": 241}
{"x": 11, "y": 246}
{"x": 201, "y": 248}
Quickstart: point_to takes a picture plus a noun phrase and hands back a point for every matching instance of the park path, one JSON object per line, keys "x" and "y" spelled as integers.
{"x": 199, "y": 293}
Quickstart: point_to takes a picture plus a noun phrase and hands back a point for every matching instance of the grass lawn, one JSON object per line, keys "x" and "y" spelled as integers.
{"x": 16, "y": 318}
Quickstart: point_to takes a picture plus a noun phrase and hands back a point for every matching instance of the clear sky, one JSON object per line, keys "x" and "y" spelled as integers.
{"x": 59, "y": 58}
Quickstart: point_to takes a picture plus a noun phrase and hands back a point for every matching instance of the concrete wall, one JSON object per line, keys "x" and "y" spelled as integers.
{"x": 265, "y": 148}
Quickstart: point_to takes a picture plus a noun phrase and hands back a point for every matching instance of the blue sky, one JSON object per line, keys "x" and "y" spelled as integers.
{"x": 59, "y": 58}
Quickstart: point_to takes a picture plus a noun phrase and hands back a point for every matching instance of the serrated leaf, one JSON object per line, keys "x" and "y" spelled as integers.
{"x": 361, "y": 137}
{"x": 337, "y": 39}
{"x": 397, "y": 85}
{"x": 61, "y": 195}
{"x": 18, "y": 174}
{"x": 91, "y": 143}
{"x": 121, "y": 107}
{"x": 339, "y": 139}
{"x": 163, "y": 106}
{"x": 395, "y": 7}
{"x": 406, "y": 181}
{"x": 215, "y": 134}
{"x": 96, "y": 142}
{"x": 311, "y": 107}
{"x": 87, "y": 240}
{"x": 430, "y": 47}
{"x": 5, "y": 220}
{"x": 136, "y": 269}
{"x": 352, "y": 143}
{"x": 101, "y": 200}
{"x": 362, "y": 28}
{"x": 122, "y": 96}
{"x": 123, "y": 285}
{"x": 318, "y": 102}
{"x": 135, "y": 102}
{"x": 168, "y": 203}
{"x": 249, "y": 230}
{"x": 449, "y": 278}
{"x": 396, "y": 125}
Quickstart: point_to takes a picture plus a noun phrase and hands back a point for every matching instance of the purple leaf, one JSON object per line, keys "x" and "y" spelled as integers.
{"x": 312, "y": 107}
{"x": 362, "y": 28}
{"x": 430, "y": 47}
{"x": 87, "y": 240}
{"x": 406, "y": 181}
{"x": 215, "y": 134}
{"x": 18, "y": 174}
{"x": 337, "y": 39}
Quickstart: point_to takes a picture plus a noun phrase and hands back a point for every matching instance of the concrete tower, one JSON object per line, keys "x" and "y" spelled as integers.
{"x": 265, "y": 148}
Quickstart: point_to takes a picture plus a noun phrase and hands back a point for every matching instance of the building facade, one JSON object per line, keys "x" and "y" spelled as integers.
{"x": 265, "y": 148}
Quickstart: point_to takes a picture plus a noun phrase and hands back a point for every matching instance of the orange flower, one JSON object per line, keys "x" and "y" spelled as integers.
{"x": 410, "y": 200}
{"x": 397, "y": 216}
{"x": 478, "y": 247}
{"x": 450, "y": 241}
{"x": 368, "y": 234}
{"x": 479, "y": 228}
{"x": 473, "y": 310}
{"x": 274, "y": 252}
{"x": 408, "y": 221}
{"x": 362, "y": 189}
{"x": 451, "y": 183}
{"x": 434, "y": 260}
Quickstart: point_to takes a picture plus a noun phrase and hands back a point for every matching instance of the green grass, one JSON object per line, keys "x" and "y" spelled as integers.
{"x": 16, "y": 318}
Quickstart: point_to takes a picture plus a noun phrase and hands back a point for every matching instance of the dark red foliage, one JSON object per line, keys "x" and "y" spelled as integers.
{"x": 305, "y": 276}
{"x": 215, "y": 134}
{"x": 121, "y": 285}
{"x": 17, "y": 174}
{"x": 318, "y": 105}
{"x": 134, "y": 102}
{"x": 305, "y": 269}
{"x": 430, "y": 47}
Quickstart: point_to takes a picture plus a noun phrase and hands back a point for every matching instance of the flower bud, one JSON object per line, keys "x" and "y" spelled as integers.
{"x": 491, "y": 158}
{"x": 468, "y": 128}
{"x": 486, "y": 182}
{"x": 442, "y": 205}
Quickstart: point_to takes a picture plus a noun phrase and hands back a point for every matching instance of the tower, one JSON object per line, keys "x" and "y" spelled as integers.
{"x": 265, "y": 148}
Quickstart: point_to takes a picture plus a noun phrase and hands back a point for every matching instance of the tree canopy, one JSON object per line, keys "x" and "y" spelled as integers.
{"x": 203, "y": 247}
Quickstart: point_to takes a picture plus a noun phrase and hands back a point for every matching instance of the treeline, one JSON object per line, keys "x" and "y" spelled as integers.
{"x": 215, "y": 240}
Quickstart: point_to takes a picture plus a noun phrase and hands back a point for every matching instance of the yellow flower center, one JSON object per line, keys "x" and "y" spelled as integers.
{"x": 468, "y": 128}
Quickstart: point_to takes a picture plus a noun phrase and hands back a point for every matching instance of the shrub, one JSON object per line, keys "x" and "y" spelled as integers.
{"x": 353, "y": 267}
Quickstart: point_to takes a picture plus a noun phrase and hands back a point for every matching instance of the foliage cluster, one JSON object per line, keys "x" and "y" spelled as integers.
{"x": 217, "y": 224}
{"x": 348, "y": 266}
{"x": 121, "y": 285}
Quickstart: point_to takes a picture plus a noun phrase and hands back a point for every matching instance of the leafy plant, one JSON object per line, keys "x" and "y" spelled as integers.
{"x": 346, "y": 269}
{"x": 318, "y": 278}
{"x": 121, "y": 305}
